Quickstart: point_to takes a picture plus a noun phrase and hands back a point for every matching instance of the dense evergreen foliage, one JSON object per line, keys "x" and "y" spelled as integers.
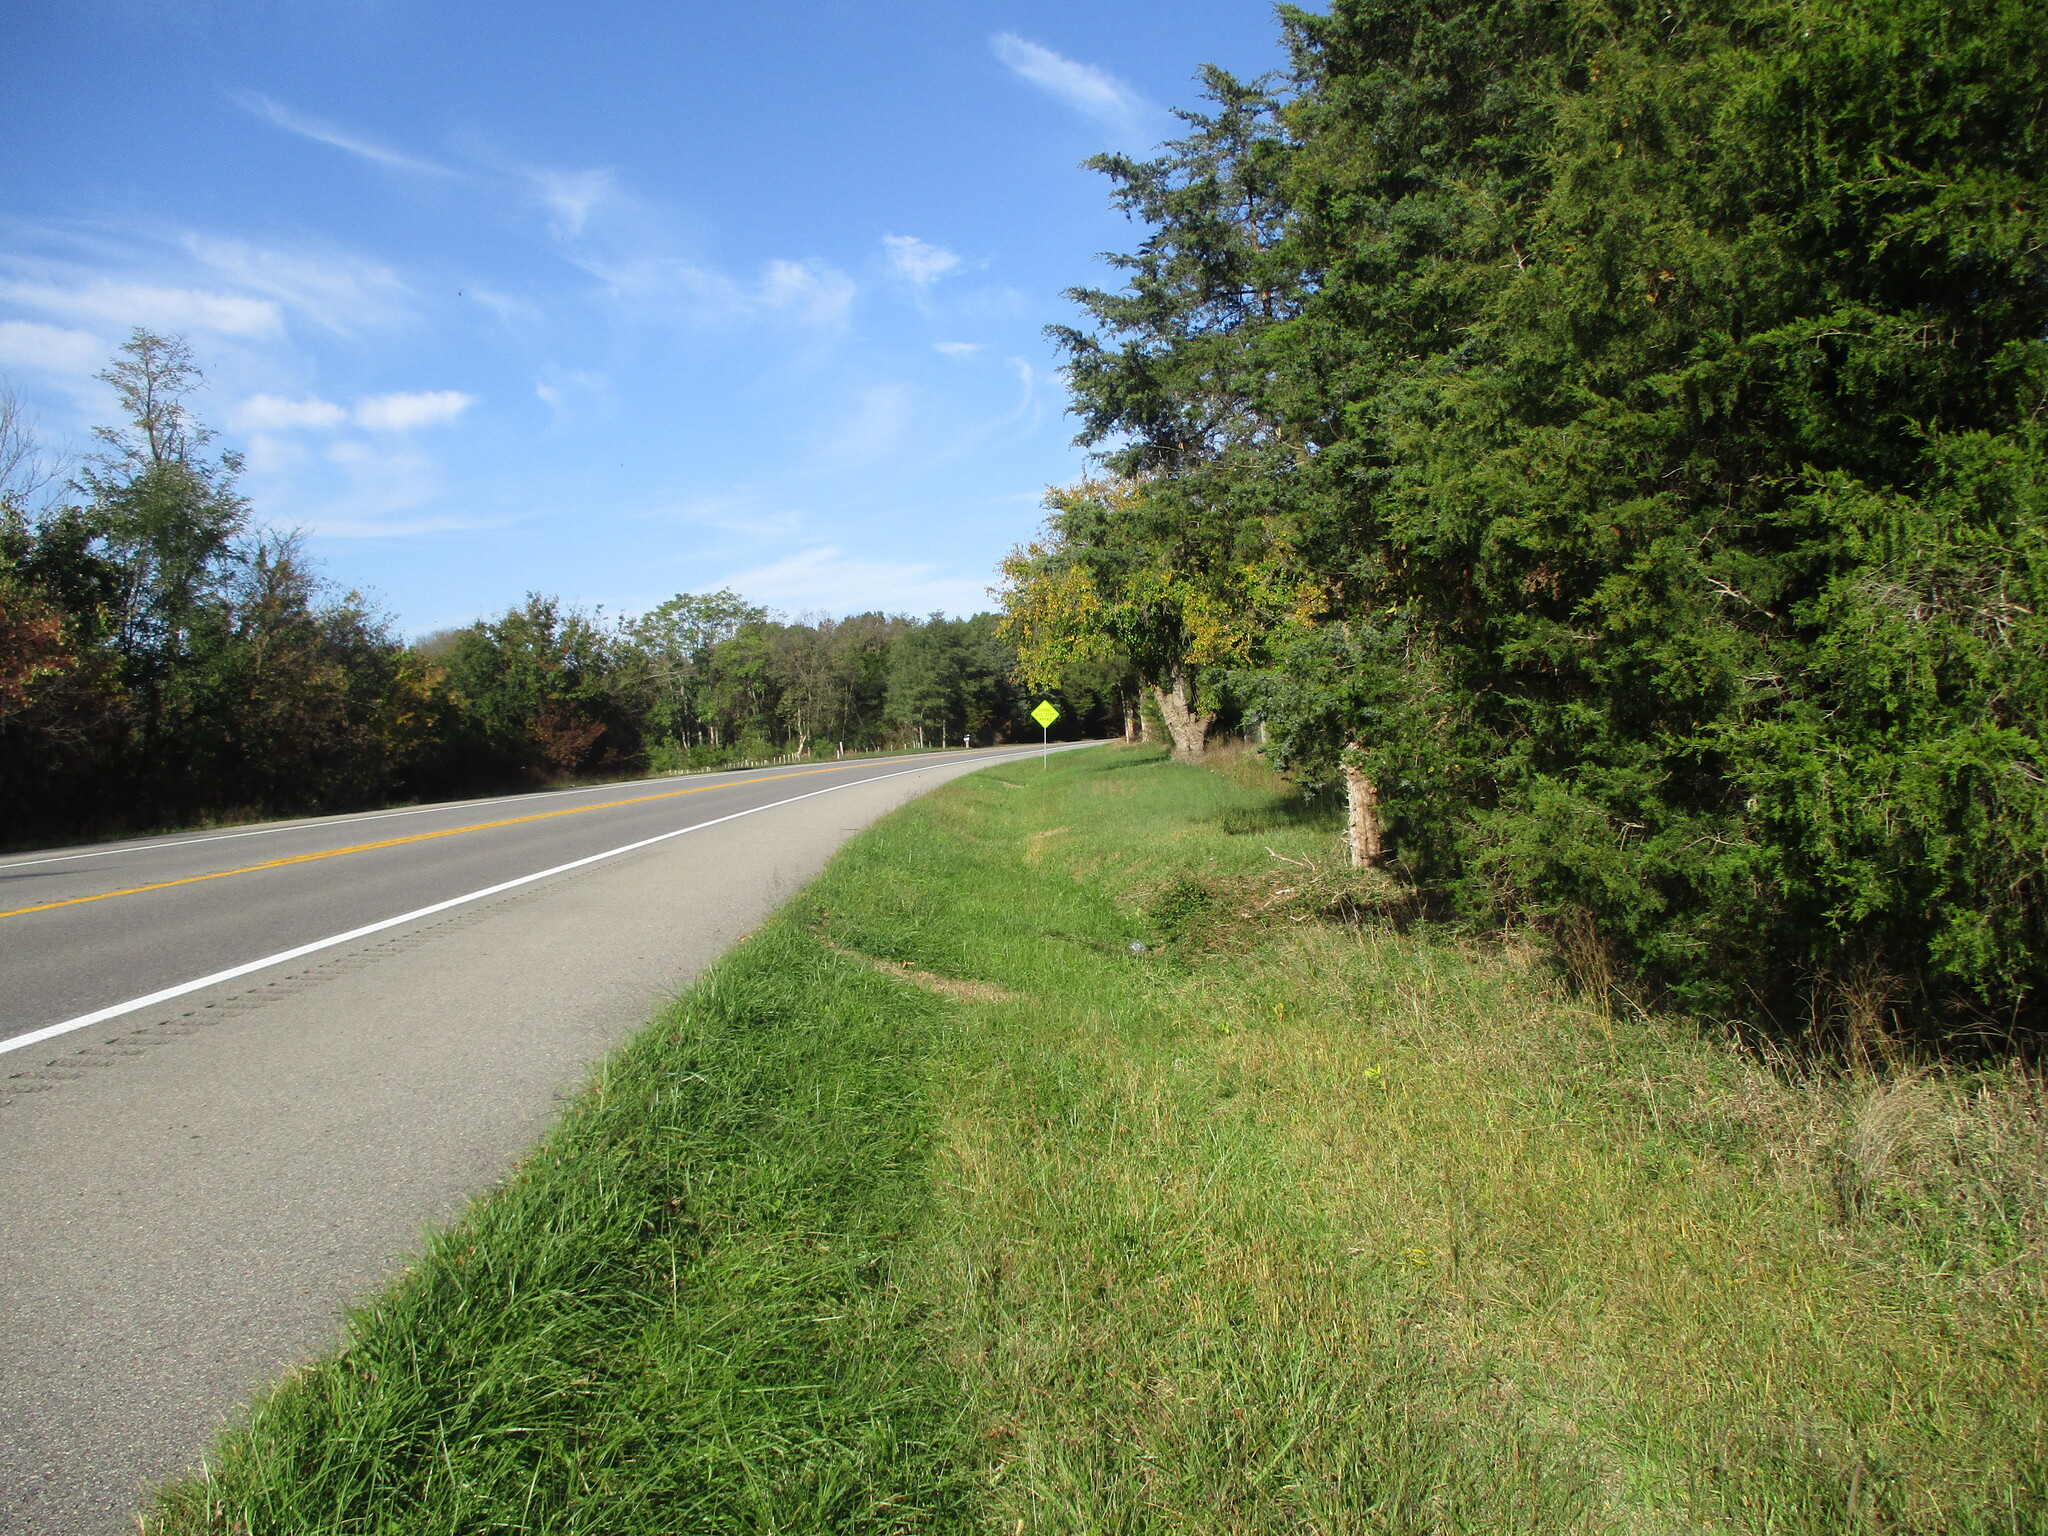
{"x": 162, "y": 663}
{"x": 1616, "y": 435}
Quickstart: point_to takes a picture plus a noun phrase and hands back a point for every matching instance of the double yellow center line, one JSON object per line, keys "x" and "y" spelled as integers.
{"x": 417, "y": 837}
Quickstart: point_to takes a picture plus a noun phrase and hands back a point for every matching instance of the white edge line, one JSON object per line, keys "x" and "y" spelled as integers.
{"x": 135, "y": 1005}
{"x": 316, "y": 823}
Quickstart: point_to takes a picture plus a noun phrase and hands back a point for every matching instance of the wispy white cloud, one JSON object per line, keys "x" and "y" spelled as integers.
{"x": 406, "y": 412}
{"x": 51, "y": 348}
{"x": 828, "y": 579}
{"x": 274, "y": 413}
{"x": 1029, "y": 410}
{"x": 124, "y": 304}
{"x": 601, "y": 225}
{"x": 282, "y": 116}
{"x": 874, "y": 425}
{"x": 563, "y": 393}
{"x": 111, "y": 278}
{"x": 744, "y": 510}
{"x": 1027, "y": 388}
{"x": 646, "y": 271}
{"x": 371, "y": 520}
{"x": 361, "y": 456}
{"x": 384, "y": 492}
{"x": 956, "y": 348}
{"x": 649, "y": 279}
{"x": 567, "y": 198}
{"x": 330, "y": 481}
{"x": 271, "y": 456}
{"x": 402, "y": 412}
{"x": 917, "y": 261}
{"x": 570, "y": 197}
{"x": 510, "y": 308}
{"x": 995, "y": 303}
{"x": 810, "y": 291}
{"x": 1087, "y": 89}
{"x": 337, "y": 290}
{"x": 343, "y": 525}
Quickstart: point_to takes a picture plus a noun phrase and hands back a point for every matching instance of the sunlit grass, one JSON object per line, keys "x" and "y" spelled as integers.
{"x": 1304, "y": 1226}
{"x": 1287, "y": 1223}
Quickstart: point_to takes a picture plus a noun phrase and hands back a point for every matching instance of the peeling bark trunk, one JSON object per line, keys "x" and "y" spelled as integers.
{"x": 1362, "y": 799}
{"x": 1187, "y": 725}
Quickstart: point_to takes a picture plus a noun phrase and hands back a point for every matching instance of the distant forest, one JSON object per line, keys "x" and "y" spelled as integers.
{"x": 163, "y": 662}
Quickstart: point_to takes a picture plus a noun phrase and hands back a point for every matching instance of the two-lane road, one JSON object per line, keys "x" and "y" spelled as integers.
{"x": 86, "y": 929}
{"x": 240, "y": 1070}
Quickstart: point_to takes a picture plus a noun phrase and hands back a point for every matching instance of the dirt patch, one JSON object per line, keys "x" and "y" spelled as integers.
{"x": 945, "y": 986}
{"x": 1035, "y": 844}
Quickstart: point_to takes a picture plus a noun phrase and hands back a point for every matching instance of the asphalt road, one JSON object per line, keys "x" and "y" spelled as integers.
{"x": 191, "y": 1188}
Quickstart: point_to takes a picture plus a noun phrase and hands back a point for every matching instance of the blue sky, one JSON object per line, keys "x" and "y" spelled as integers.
{"x": 608, "y": 300}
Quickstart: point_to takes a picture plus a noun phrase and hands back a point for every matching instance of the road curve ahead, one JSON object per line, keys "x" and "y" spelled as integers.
{"x": 240, "y": 1070}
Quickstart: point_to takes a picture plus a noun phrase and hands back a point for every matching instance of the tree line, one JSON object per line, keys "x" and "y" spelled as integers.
{"x": 165, "y": 661}
{"x": 1608, "y": 441}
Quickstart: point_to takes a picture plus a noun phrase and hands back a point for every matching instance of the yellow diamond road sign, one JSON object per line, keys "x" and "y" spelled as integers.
{"x": 1045, "y": 714}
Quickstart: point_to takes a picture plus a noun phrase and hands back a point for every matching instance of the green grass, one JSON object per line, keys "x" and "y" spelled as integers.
{"x": 935, "y": 1208}
{"x": 680, "y": 1313}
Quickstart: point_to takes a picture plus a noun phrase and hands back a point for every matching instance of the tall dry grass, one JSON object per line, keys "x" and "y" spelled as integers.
{"x": 1307, "y": 1226}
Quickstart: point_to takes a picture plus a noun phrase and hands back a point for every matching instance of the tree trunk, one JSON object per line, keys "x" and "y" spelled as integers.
{"x": 1134, "y": 722}
{"x": 1187, "y": 725}
{"x": 1362, "y": 799}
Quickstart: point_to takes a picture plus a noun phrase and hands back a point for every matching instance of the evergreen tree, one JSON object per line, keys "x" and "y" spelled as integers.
{"x": 1613, "y": 442}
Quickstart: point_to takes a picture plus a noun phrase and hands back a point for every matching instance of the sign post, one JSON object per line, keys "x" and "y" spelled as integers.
{"x": 1045, "y": 714}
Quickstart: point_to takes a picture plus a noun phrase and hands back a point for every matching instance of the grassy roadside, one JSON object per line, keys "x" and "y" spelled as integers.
{"x": 934, "y": 1208}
